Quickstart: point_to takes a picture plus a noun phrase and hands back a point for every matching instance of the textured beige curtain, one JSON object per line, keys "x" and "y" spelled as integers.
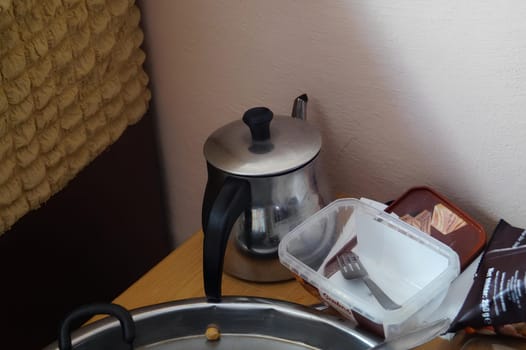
{"x": 71, "y": 81}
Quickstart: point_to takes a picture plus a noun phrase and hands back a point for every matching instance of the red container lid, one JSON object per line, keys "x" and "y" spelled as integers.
{"x": 434, "y": 214}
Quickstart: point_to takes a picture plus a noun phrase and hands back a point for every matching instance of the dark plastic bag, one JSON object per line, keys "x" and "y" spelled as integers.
{"x": 496, "y": 303}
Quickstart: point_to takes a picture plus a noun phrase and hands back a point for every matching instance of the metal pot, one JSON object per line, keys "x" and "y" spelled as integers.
{"x": 244, "y": 323}
{"x": 262, "y": 182}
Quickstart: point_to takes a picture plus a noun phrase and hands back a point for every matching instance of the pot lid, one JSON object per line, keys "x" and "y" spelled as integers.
{"x": 262, "y": 144}
{"x": 245, "y": 323}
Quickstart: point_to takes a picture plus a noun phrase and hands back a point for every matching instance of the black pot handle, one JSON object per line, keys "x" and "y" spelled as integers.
{"x": 231, "y": 201}
{"x": 124, "y": 317}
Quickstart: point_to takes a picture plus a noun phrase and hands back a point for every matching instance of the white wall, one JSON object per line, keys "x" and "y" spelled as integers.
{"x": 405, "y": 93}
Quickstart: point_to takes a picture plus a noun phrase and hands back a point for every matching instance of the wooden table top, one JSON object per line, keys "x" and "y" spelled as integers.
{"x": 180, "y": 276}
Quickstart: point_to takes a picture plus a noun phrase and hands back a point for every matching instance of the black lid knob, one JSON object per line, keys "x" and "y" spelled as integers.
{"x": 258, "y": 120}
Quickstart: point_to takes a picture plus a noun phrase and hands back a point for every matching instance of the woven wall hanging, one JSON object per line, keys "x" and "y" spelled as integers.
{"x": 71, "y": 81}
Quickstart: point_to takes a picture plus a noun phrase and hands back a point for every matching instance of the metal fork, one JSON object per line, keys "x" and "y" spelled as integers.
{"x": 352, "y": 268}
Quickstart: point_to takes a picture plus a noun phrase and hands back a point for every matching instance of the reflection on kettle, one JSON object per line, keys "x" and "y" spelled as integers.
{"x": 262, "y": 182}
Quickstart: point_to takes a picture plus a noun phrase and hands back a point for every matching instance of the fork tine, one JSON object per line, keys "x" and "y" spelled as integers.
{"x": 348, "y": 267}
{"x": 343, "y": 266}
{"x": 353, "y": 262}
{"x": 352, "y": 268}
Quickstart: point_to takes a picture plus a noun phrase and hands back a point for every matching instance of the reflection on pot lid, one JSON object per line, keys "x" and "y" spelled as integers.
{"x": 262, "y": 144}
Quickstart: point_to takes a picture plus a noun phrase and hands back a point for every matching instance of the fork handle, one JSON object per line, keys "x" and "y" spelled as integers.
{"x": 384, "y": 300}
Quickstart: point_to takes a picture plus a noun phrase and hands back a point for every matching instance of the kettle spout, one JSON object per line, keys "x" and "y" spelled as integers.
{"x": 299, "y": 109}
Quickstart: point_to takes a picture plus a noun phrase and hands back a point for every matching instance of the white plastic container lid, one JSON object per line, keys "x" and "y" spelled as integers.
{"x": 412, "y": 268}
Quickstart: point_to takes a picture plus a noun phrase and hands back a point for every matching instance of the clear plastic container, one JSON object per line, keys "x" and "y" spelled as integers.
{"x": 411, "y": 267}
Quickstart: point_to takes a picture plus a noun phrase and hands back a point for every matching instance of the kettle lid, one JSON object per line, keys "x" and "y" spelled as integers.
{"x": 262, "y": 144}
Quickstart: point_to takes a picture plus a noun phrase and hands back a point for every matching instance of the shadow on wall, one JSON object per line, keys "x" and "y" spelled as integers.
{"x": 391, "y": 87}
{"x": 381, "y": 135}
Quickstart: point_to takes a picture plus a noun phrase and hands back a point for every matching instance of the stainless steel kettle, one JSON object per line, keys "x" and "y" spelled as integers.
{"x": 262, "y": 182}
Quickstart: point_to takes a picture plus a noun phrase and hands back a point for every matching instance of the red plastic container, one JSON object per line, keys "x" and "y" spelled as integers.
{"x": 434, "y": 214}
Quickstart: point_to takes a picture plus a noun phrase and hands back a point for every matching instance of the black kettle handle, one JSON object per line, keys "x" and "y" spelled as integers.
{"x": 219, "y": 217}
{"x": 124, "y": 317}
